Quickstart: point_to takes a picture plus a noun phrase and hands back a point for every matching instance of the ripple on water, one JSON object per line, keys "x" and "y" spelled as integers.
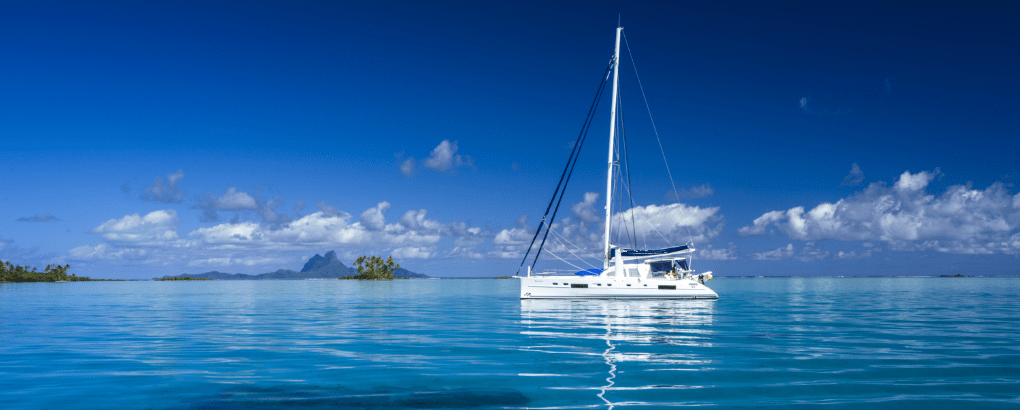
{"x": 790, "y": 342}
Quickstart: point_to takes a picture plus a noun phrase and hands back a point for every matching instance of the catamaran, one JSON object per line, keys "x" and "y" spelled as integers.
{"x": 626, "y": 273}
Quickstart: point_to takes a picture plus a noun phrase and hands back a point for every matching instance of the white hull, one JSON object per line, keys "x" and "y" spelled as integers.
{"x": 599, "y": 287}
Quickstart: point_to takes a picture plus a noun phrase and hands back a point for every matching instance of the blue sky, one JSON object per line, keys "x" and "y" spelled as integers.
{"x": 154, "y": 138}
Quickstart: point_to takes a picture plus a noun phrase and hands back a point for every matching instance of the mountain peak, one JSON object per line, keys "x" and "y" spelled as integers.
{"x": 318, "y": 262}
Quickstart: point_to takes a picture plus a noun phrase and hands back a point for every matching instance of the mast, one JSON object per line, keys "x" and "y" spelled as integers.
{"x": 612, "y": 138}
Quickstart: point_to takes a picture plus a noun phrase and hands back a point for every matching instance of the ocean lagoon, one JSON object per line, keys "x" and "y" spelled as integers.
{"x": 766, "y": 343}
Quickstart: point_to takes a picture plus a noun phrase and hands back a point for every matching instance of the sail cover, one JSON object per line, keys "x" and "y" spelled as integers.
{"x": 652, "y": 252}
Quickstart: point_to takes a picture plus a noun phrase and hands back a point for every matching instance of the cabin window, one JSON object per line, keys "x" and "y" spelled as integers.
{"x": 633, "y": 272}
{"x": 609, "y": 284}
{"x": 600, "y": 284}
{"x": 628, "y": 284}
{"x": 554, "y": 283}
{"x": 669, "y": 287}
{"x": 579, "y": 285}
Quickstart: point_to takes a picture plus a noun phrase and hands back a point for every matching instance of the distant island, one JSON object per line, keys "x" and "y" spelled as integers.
{"x": 20, "y": 274}
{"x": 318, "y": 267}
{"x": 180, "y": 278}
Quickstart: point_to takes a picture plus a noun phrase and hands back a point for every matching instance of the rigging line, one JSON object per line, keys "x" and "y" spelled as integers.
{"x": 576, "y": 148}
{"x": 663, "y": 151}
{"x": 630, "y": 185}
{"x": 584, "y": 136}
{"x": 565, "y": 261}
{"x": 564, "y": 239}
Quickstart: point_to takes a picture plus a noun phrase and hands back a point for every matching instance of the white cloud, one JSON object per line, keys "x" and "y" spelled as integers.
{"x": 675, "y": 223}
{"x": 654, "y": 225}
{"x": 106, "y": 251}
{"x": 165, "y": 193}
{"x": 415, "y": 220}
{"x": 468, "y": 253}
{"x": 853, "y": 254}
{"x": 445, "y": 156}
{"x": 375, "y": 218}
{"x": 806, "y": 254}
{"x": 153, "y": 239}
{"x": 811, "y": 253}
{"x": 781, "y": 253}
{"x": 762, "y": 222}
{"x": 407, "y": 167}
{"x": 855, "y": 177}
{"x": 413, "y": 253}
{"x": 961, "y": 220}
{"x": 914, "y": 182}
{"x": 509, "y": 243}
{"x": 234, "y": 200}
{"x": 155, "y": 228}
{"x": 718, "y": 254}
{"x": 231, "y": 261}
{"x": 585, "y": 210}
{"x": 514, "y": 236}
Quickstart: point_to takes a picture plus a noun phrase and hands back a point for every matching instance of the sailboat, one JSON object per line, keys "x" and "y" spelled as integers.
{"x": 626, "y": 273}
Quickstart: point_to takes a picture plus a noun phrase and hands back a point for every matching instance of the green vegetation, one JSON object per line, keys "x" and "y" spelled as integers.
{"x": 181, "y": 278}
{"x": 374, "y": 268}
{"x": 53, "y": 273}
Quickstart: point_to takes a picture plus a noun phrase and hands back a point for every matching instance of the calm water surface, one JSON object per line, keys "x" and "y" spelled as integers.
{"x": 898, "y": 343}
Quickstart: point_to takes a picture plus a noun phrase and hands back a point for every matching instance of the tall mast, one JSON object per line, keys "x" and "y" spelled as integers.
{"x": 612, "y": 139}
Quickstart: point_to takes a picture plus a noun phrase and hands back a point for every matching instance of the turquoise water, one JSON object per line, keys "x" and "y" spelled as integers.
{"x": 898, "y": 343}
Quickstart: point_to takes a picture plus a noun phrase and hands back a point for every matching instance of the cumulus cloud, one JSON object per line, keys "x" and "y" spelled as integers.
{"x": 38, "y": 218}
{"x": 652, "y": 225}
{"x": 855, "y": 177}
{"x": 781, "y": 253}
{"x": 374, "y": 218}
{"x": 960, "y": 220}
{"x": 806, "y": 254}
{"x": 232, "y": 200}
{"x": 156, "y": 227}
{"x": 718, "y": 254}
{"x": 510, "y": 243}
{"x": 854, "y": 254}
{"x": 445, "y": 157}
{"x": 413, "y": 252}
{"x": 585, "y": 210}
{"x": 407, "y": 167}
{"x": 165, "y": 191}
{"x": 675, "y": 223}
{"x": 153, "y": 238}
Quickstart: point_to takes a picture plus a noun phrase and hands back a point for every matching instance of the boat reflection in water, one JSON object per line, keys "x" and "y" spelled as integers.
{"x": 627, "y": 352}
